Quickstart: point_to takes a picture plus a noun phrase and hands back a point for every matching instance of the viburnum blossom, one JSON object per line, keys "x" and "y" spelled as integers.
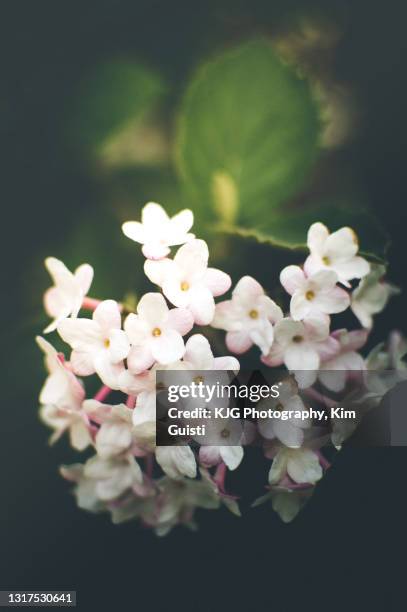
{"x": 301, "y": 345}
{"x": 334, "y": 370}
{"x": 313, "y": 295}
{"x": 61, "y": 400}
{"x": 65, "y": 298}
{"x": 99, "y": 344}
{"x": 138, "y": 355}
{"x": 289, "y": 431}
{"x": 371, "y": 295}
{"x": 187, "y": 281}
{"x": 176, "y": 461}
{"x": 155, "y": 333}
{"x": 300, "y": 464}
{"x": 336, "y": 251}
{"x": 248, "y": 318}
{"x": 157, "y": 231}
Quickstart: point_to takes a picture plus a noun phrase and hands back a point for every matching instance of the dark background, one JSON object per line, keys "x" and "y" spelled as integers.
{"x": 347, "y": 548}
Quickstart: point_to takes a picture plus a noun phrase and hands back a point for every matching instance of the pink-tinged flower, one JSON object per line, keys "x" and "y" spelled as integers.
{"x": 223, "y": 441}
{"x": 248, "y": 318}
{"x": 157, "y": 231}
{"x": 116, "y": 434}
{"x": 300, "y": 464}
{"x": 114, "y": 476}
{"x": 301, "y": 345}
{"x": 289, "y": 432}
{"x": 199, "y": 356}
{"x": 155, "y": 333}
{"x": 99, "y": 344}
{"x": 313, "y": 295}
{"x": 336, "y": 251}
{"x": 65, "y": 298}
{"x": 61, "y": 398}
{"x": 188, "y": 282}
{"x": 371, "y": 295}
{"x": 335, "y": 370}
{"x": 176, "y": 461}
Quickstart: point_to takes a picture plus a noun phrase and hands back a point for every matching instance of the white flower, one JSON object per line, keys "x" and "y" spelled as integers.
{"x": 114, "y": 476}
{"x": 85, "y": 488}
{"x": 232, "y": 456}
{"x": 155, "y": 333}
{"x": 61, "y": 398}
{"x": 248, "y": 317}
{"x": 300, "y": 464}
{"x": 188, "y": 282}
{"x": 335, "y": 370}
{"x": 99, "y": 344}
{"x": 336, "y": 251}
{"x": 300, "y": 345}
{"x": 65, "y": 298}
{"x": 178, "y": 500}
{"x": 371, "y": 295}
{"x": 116, "y": 433}
{"x": 289, "y": 431}
{"x": 176, "y": 461}
{"x": 157, "y": 231}
{"x": 313, "y": 295}
{"x": 199, "y": 356}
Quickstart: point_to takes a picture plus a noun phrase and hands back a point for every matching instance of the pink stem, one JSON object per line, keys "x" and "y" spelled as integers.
{"x": 323, "y": 461}
{"x": 149, "y": 465}
{"x": 90, "y": 303}
{"x": 102, "y": 393}
{"x": 131, "y": 401}
{"x": 220, "y": 476}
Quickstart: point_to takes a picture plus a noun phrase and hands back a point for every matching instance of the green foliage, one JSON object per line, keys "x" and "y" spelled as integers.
{"x": 289, "y": 230}
{"x": 248, "y": 134}
{"x": 112, "y": 99}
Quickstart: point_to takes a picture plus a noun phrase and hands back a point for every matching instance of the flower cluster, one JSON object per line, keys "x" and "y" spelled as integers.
{"x": 127, "y": 474}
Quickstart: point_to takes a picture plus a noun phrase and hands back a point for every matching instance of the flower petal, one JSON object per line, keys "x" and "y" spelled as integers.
{"x": 181, "y": 320}
{"x": 292, "y": 278}
{"x": 153, "y": 308}
{"x": 202, "y": 305}
{"x": 218, "y": 282}
{"x": 317, "y": 236}
{"x": 192, "y": 259}
{"x": 303, "y": 466}
{"x": 107, "y": 314}
{"x": 168, "y": 347}
{"x": 80, "y": 334}
{"x": 232, "y": 456}
{"x": 238, "y": 341}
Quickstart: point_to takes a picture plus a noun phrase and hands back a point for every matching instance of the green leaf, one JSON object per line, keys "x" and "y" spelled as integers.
{"x": 290, "y": 230}
{"x": 248, "y": 134}
{"x": 110, "y": 103}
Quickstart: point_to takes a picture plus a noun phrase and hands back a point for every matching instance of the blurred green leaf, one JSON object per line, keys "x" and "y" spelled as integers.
{"x": 248, "y": 134}
{"x": 110, "y": 104}
{"x": 289, "y": 230}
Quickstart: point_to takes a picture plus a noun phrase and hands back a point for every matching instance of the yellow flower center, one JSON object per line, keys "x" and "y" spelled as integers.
{"x": 156, "y": 331}
{"x": 107, "y": 342}
{"x": 184, "y": 286}
{"x": 326, "y": 260}
{"x": 310, "y": 295}
{"x": 298, "y": 339}
{"x": 253, "y": 314}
